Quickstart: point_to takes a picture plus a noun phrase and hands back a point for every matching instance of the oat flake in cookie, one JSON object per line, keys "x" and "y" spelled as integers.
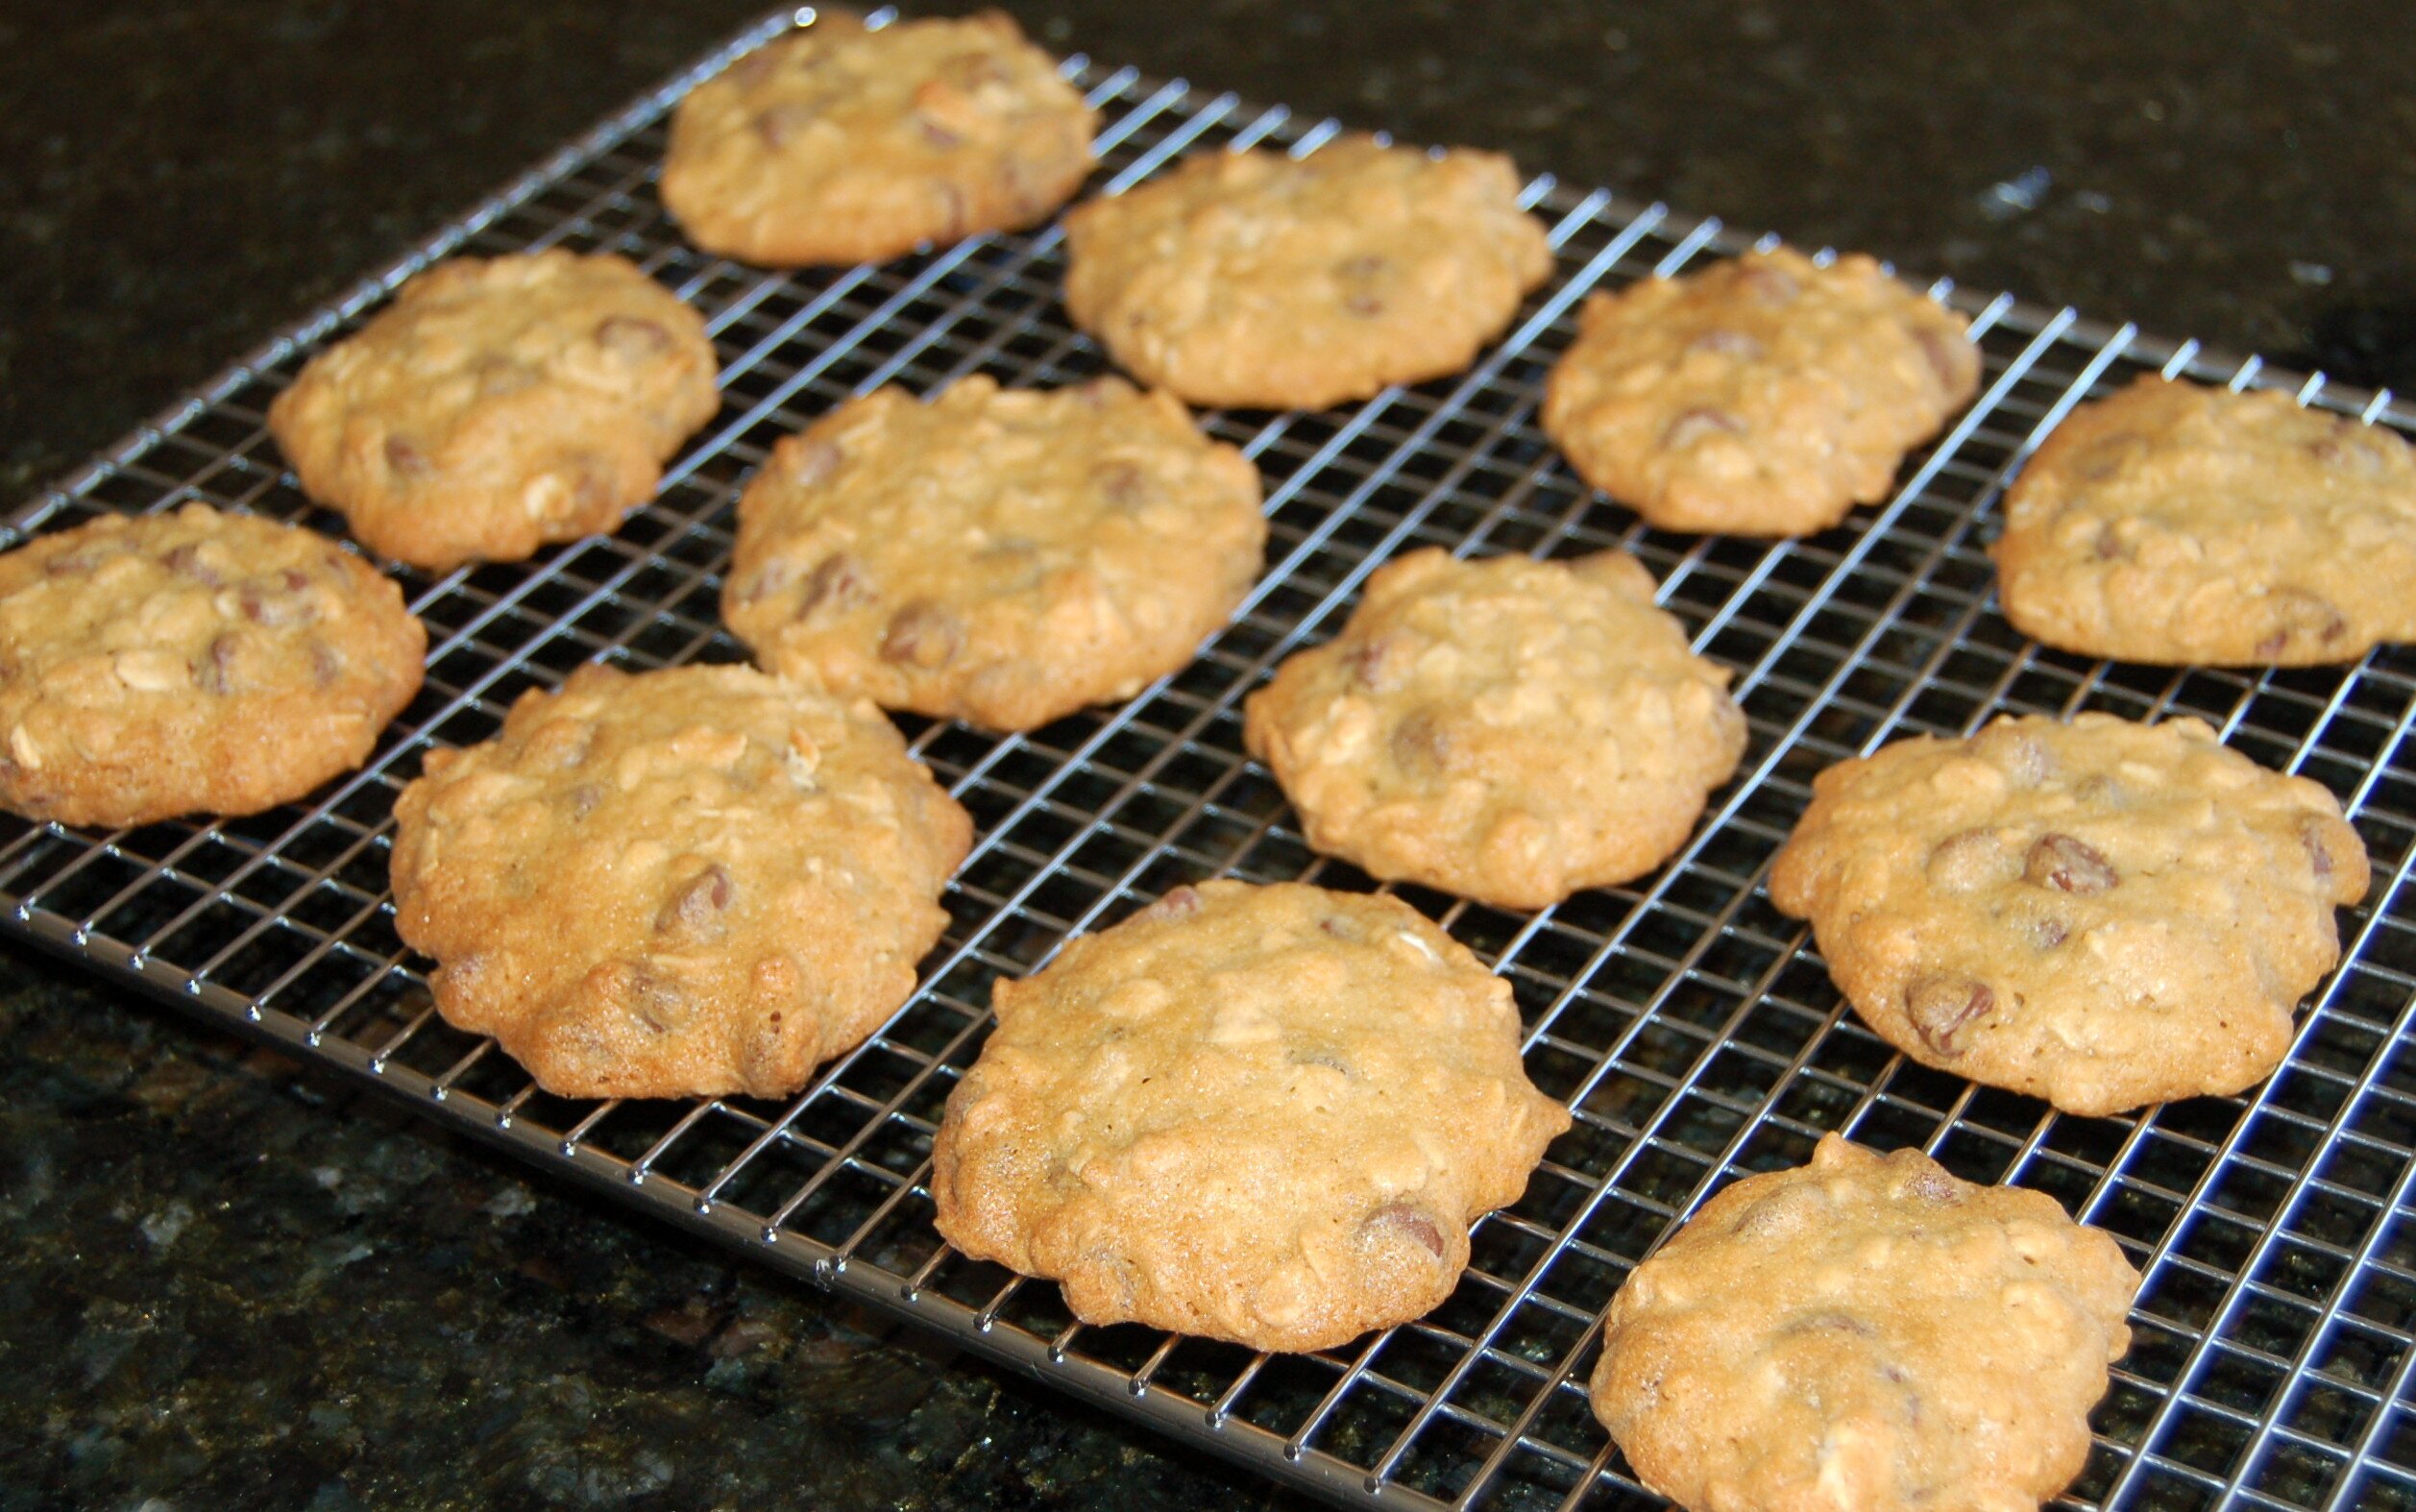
{"x": 1764, "y": 396}
{"x": 2102, "y": 913}
{"x": 191, "y": 663}
{"x": 1260, "y": 1114}
{"x": 2186, "y": 525}
{"x": 685, "y": 883}
{"x": 1865, "y": 1333}
{"x": 1001, "y": 556}
{"x": 835, "y": 144}
{"x": 1508, "y": 730}
{"x": 1259, "y": 280}
{"x": 500, "y": 405}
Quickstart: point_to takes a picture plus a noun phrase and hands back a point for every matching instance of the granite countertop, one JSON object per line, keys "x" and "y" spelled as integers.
{"x": 235, "y": 1285}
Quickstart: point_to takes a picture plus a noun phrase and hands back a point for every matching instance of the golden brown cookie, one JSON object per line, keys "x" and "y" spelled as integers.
{"x": 685, "y": 883}
{"x": 996, "y": 555}
{"x": 191, "y": 663}
{"x": 1260, "y": 1114}
{"x": 836, "y": 144}
{"x": 2196, "y": 526}
{"x": 2102, "y": 913}
{"x": 1763, "y": 395}
{"x": 1865, "y": 1333}
{"x": 500, "y": 405}
{"x": 1508, "y": 730}
{"x": 1259, "y": 280}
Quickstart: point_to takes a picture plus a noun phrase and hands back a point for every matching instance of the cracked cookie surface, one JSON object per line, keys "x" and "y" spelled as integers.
{"x": 1866, "y": 1333}
{"x": 1763, "y": 395}
{"x": 191, "y": 663}
{"x": 1508, "y": 730}
{"x": 2102, "y": 913}
{"x": 1260, "y": 1114}
{"x": 500, "y": 405}
{"x": 2186, "y": 525}
{"x": 997, "y": 555}
{"x": 1259, "y": 280}
{"x": 836, "y": 144}
{"x": 686, "y": 882}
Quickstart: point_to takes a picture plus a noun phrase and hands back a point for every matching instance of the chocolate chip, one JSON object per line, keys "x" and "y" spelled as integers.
{"x": 1422, "y": 741}
{"x": 1358, "y": 276}
{"x": 1931, "y": 1185}
{"x": 1123, "y": 484}
{"x": 282, "y": 598}
{"x": 1789, "y": 1207}
{"x": 2105, "y": 456}
{"x": 937, "y": 136}
{"x": 697, "y": 906}
{"x": 405, "y": 460}
{"x": 2300, "y": 617}
{"x": 1829, "y": 1319}
{"x": 2048, "y": 933}
{"x": 1411, "y": 1223}
{"x": 583, "y": 798}
{"x": 779, "y": 125}
{"x": 2021, "y": 757}
{"x": 2069, "y": 864}
{"x": 1699, "y": 424}
{"x": 2350, "y": 453}
{"x": 327, "y": 663}
{"x": 632, "y": 339}
{"x": 1179, "y": 902}
{"x": 2108, "y": 546}
{"x": 2317, "y": 837}
{"x": 186, "y": 561}
{"x": 657, "y": 1002}
{"x": 1768, "y": 285}
{"x": 1943, "y": 353}
{"x": 755, "y": 67}
{"x": 809, "y": 460}
{"x": 1375, "y": 661}
{"x": 82, "y": 560}
{"x": 1940, "y": 1005}
{"x": 498, "y": 375}
{"x": 1969, "y": 861}
{"x": 2101, "y": 791}
{"x": 837, "y": 580}
{"x": 923, "y": 634}
{"x": 215, "y": 672}
{"x": 775, "y": 576}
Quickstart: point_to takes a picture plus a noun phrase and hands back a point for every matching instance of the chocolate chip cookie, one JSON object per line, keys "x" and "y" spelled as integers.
{"x": 1508, "y": 730}
{"x": 1764, "y": 396}
{"x": 2102, "y": 913}
{"x": 1260, "y": 1114}
{"x": 836, "y": 144}
{"x": 2189, "y": 525}
{"x": 191, "y": 663}
{"x": 1260, "y": 280}
{"x": 1865, "y": 1332}
{"x": 686, "y": 882}
{"x": 500, "y": 405}
{"x": 996, "y": 555}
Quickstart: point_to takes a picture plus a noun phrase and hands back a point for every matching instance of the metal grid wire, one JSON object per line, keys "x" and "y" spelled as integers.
{"x": 1686, "y": 1022}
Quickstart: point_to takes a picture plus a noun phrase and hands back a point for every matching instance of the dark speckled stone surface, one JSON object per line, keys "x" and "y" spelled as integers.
{"x": 230, "y": 1285}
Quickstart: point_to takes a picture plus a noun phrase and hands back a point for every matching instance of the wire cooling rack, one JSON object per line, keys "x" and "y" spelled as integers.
{"x": 1688, "y": 1025}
